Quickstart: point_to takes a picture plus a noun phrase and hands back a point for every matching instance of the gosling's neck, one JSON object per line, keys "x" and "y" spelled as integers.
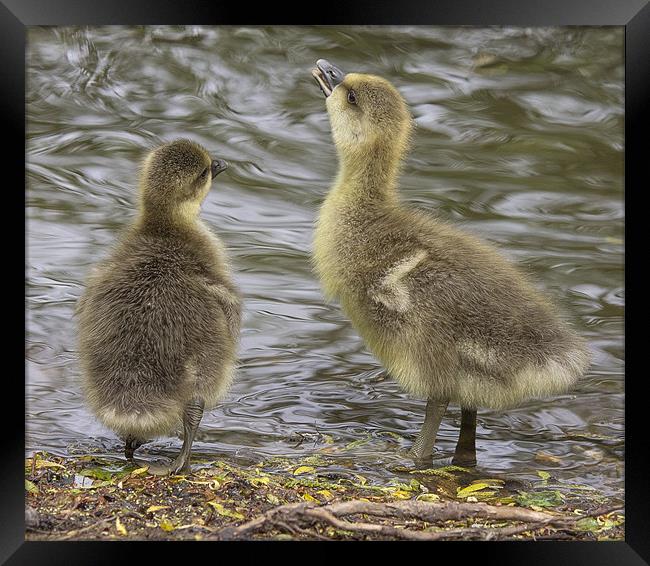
{"x": 178, "y": 218}
{"x": 369, "y": 175}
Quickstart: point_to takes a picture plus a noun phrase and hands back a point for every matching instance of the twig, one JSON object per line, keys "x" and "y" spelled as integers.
{"x": 295, "y": 515}
{"x": 75, "y": 532}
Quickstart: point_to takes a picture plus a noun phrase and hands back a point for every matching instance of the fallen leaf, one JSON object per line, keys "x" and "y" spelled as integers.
{"x": 303, "y": 470}
{"x": 272, "y": 499}
{"x": 165, "y": 525}
{"x": 465, "y": 491}
{"x": 428, "y": 497}
{"x": 139, "y": 471}
{"x": 588, "y": 524}
{"x": 361, "y": 479}
{"x": 48, "y": 464}
{"x": 120, "y": 527}
{"x": 539, "y": 498}
{"x": 98, "y": 474}
{"x": 156, "y": 508}
{"x": 224, "y": 512}
{"x": 308, "y": 497}
{"x": 31, "y": 486}
{"x": 401, "y": 494}
{"x": 492, "y": 482}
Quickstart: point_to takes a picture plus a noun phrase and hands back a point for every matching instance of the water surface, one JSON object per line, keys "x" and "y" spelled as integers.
{"x": 519, "y": 140}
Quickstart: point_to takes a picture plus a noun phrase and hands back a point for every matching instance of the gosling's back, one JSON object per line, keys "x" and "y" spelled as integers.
{"x": 446, "y": 313}
{"x": 158, "y": 325}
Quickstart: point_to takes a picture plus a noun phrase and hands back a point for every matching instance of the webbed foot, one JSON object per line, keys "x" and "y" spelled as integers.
{"x": 168, "y": 468}
{"x": 131, "y": 444}
{"x": 464, "y": 460}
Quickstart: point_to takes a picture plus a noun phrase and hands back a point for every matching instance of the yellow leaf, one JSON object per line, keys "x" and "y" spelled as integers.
{"x": 120, "y": 527}
{"x": 272, "y": 499}
{"x": 302, "y": 470}
{"x": 48, "y": 464}
{"x": 464, "y": 492}
{"x": 156, "y": 508}
{"x": 262, "y": 480}
{"x": 326, "y": 493}
{"x": 544, "y": 475}
{"x": 401, "y": 494}
{"x": 225, "y": 512}
{"x": 165, "y": 525}
{"x": 484, "y": 494}
{"x": 31, "y": 486}
{"x": 362, "y": 480}
{"x": 139, "y": 471}
{"x": 490, "y": 481}
{"x": 308, "y": 497}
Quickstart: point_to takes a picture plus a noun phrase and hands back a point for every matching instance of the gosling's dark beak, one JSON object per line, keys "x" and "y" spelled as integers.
{"x": 327, "y": 76}
{"x": 218, "y": 165}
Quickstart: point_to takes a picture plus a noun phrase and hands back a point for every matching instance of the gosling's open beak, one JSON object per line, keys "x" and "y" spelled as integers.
{"x": 218, "y": 165}
{"x": 327, "y": 76}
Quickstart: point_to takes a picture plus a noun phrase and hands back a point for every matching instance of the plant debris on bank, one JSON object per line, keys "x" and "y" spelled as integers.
{"x": 92, "y": 498}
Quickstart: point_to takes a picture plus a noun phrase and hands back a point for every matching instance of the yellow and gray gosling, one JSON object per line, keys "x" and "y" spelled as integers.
{"x": 444, "y": 312}
{"x": 159, "y": 320}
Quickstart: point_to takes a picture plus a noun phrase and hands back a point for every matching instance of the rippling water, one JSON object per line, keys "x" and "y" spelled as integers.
{"x": 519, "y": 140}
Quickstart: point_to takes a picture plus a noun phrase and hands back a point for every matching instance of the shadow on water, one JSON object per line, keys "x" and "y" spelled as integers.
{"x": 519, "y": 140}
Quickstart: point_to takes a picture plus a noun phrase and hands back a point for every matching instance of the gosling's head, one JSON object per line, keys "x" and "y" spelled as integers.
{"x": 366, "y": 112}
{"x": 175, "y": 178}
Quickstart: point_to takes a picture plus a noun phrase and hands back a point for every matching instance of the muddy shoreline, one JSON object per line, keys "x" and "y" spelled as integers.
{"x": 96, "y": 498}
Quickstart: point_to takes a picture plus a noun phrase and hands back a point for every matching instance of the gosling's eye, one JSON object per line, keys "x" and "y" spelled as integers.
{"x": 352, "y": 97}
{"x": 205, "y": 172}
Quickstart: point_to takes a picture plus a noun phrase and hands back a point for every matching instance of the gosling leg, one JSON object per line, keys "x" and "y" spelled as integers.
{"x": 131, "y": 444}
{"x": 423, "y": 447}
{"x": 466, "y": 448}
{"x": 191, "y": 418}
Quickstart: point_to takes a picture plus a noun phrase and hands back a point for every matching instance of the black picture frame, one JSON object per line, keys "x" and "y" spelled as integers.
{"x": 16, "y": 15}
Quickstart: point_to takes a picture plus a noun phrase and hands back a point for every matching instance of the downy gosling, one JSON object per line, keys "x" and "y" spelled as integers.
{"x": 445, "y": 313}
{"x": 159, "y": 320}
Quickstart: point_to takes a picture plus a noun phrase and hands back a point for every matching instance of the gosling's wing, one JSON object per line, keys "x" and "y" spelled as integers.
{"x": 229, "y": 302}
{"x": 392, "y": 289}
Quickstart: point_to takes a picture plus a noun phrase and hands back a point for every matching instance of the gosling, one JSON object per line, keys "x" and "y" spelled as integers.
{"x": 159, "y": 320}
{"x": 444, "y": 312}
